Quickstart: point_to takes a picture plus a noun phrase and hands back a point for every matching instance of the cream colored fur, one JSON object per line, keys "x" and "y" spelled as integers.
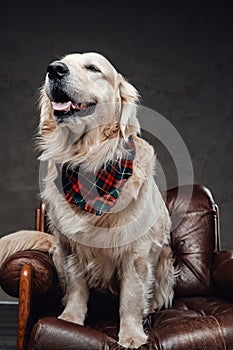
{"x": 131, "y": 241}
{"x": 24, "y": 240}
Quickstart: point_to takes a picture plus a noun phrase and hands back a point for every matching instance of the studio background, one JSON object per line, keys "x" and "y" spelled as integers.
{"x": 179, "y": 57}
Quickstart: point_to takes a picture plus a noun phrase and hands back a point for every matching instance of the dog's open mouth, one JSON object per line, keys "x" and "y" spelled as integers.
{"x": 64, "y": 110}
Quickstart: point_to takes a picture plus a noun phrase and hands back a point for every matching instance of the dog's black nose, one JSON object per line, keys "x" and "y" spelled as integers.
{"x": 57, "y": 70}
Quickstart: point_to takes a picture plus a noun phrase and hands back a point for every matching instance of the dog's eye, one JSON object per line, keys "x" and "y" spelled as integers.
{"x": 92, "y": 68}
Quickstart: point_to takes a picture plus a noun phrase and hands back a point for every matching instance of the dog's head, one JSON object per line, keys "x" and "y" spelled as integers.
{"x": 86, "y": 87}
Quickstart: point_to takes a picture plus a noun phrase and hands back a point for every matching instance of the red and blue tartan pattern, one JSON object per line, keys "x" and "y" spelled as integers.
{"x": 97, "y": 192}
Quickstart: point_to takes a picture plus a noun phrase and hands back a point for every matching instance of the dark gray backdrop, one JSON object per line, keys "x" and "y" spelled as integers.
{"x": 180, "y": 58}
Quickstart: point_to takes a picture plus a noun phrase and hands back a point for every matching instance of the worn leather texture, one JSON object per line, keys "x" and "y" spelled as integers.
{"x": 45, "y": 277}
{"x": 202, "y": 313}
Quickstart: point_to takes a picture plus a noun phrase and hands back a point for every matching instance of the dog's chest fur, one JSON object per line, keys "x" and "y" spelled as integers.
{"x": 101, "y": 267}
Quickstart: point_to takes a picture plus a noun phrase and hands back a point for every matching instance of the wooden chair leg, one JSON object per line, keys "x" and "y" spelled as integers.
{"x": 40, "y": 218}
{"x": 25, "y": 294}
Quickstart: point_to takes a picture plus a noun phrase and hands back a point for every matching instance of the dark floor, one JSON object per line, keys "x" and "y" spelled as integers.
{"x": 8, "y": 326}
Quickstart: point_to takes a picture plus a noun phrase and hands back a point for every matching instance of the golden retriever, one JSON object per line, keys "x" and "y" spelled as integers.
{"x": 119, "y": 233}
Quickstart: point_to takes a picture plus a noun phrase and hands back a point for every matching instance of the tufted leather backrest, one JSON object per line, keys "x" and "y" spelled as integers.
{"x": 194, "y": 238}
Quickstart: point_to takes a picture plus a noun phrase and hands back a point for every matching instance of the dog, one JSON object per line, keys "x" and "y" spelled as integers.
{"x": 104, "y": 207}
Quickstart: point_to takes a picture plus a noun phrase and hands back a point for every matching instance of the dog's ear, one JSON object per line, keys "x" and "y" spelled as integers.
{"x": 129, "y": 100}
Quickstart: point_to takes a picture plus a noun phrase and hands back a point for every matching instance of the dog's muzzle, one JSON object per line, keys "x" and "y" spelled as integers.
{"x": 63, "y": 104}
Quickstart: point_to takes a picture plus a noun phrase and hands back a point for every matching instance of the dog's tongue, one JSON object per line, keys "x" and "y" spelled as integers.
{"x": 62, "y": 106}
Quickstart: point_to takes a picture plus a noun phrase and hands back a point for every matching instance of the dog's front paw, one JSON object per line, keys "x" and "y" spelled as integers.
{"x": 132, "y": 340}
{"x": 71, "y": 318}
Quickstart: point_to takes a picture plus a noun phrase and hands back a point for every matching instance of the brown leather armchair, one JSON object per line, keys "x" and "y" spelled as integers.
{"x": 202, "y": 313}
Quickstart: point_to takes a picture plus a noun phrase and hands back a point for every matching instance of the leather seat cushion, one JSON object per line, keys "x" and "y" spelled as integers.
{"x": 192, "y": 323}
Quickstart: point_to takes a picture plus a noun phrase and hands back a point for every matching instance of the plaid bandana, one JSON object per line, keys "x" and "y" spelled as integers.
{"x": 97, "y": 192}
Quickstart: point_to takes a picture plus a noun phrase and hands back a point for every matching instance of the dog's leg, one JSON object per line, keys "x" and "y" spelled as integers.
{"x": 76, "y": 307}
{"x": 135, "y": 289}
{"x": 59, "y": 262}
{"x": 165, "y": 280}
{"x": 72, "y": 281}
{"x": 77, "y": 294}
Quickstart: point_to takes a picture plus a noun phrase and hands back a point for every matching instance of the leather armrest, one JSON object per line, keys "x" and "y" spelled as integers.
{"x": 45, "y": 279}
{"x": 222, "y": 272}
{"x": 51, "y": 333}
